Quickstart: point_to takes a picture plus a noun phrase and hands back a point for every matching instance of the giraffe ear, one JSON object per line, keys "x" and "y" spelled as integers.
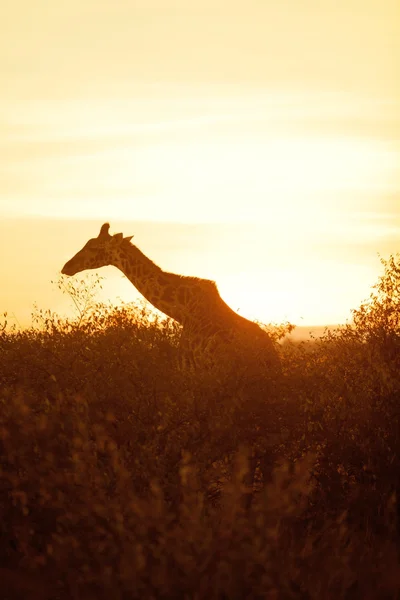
{"x": 104, "y": 231}
{"x": 128, "y": 238}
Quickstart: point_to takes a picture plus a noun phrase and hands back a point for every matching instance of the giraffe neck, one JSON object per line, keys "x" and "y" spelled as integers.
{"x": 157, "y": 286}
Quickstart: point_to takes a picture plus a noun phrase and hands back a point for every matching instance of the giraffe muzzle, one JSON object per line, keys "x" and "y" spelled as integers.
{"x": 68, "y": 269}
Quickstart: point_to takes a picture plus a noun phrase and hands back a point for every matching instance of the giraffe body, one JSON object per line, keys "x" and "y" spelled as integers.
{"x": 211, "y": 330}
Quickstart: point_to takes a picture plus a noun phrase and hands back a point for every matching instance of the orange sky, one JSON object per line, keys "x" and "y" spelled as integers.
{"x": 284, "y": 116}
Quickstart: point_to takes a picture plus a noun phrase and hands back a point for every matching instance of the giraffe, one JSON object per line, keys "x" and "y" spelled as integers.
{"x": 211, "y": 330}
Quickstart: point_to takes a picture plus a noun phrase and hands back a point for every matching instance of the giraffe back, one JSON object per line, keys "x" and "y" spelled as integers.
{"x": 214, "y": 334}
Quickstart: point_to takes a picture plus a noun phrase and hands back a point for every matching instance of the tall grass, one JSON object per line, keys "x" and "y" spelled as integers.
{"x": 122, "y": 475}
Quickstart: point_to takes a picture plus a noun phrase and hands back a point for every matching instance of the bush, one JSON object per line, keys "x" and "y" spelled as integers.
{"x": 123, "y": 475}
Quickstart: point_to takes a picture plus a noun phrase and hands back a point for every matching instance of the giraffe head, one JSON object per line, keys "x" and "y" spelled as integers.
{"x": 97, "y": 252}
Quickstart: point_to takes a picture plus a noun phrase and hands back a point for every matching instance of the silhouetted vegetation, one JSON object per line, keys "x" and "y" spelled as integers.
{"x": 122, "y": 474}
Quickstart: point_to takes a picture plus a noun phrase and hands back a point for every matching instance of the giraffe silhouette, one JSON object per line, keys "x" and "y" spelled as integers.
{"x": 214, "y": 339}
{"x": 211, "y": 331}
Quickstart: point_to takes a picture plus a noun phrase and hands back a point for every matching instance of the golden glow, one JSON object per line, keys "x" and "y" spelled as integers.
{"x": 279, "y": 121}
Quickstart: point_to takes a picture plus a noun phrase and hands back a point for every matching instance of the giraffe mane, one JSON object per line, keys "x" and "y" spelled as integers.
{"x": 207, "y": 283}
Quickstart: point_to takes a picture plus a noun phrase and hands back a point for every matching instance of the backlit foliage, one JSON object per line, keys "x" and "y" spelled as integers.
{"x": 123, "y": 475}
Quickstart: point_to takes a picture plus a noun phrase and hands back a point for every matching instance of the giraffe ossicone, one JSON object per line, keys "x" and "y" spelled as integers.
{"x": 211, "y": 330}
